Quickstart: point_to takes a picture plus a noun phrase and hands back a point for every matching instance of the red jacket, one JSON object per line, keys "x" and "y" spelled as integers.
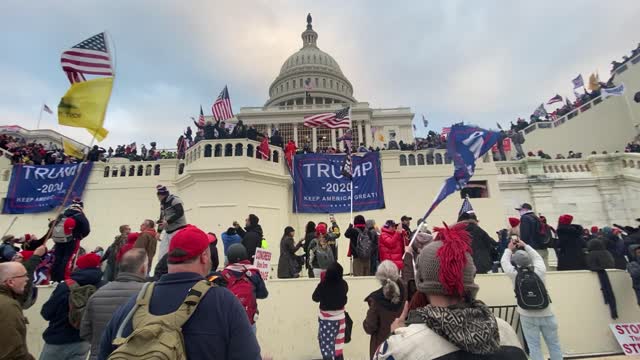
{"x": 391, "y": 246}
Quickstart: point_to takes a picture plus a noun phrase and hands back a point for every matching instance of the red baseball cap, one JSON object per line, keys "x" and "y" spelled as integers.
{"x": 191, "y": 240}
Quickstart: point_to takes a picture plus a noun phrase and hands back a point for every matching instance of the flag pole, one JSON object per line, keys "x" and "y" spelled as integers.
{"x": 40, "y": 116}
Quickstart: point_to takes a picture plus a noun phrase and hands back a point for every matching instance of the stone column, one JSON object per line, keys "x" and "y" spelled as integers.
{"x": 333, "y": 138}
{"x": 367, "y": 133}
{"x": 295, "y": 134}
{"x": 314, "y": 139}
{"x": 360, "y": 135}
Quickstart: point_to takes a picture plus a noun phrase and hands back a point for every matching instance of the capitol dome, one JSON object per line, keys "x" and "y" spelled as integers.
{"x": 310, "y": 76}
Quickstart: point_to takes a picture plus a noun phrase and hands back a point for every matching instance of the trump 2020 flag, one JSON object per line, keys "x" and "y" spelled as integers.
{"x": 614, "y": 91}
{"x": 465, "y": 145}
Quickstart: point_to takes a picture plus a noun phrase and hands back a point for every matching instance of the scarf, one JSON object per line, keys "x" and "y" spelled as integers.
{"x": 470, "y": 327}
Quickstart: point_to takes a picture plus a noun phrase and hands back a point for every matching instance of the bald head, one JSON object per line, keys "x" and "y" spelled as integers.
{"x": 9, "y": 270}
{"x": 134, "y": 261}
{"x": 14, "y": 277}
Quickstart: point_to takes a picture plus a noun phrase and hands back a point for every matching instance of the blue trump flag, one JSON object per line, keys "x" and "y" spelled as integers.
{"x": 465, "y": 145}
{"x": 319, "y": 185}
{"x": 42, "y": 188}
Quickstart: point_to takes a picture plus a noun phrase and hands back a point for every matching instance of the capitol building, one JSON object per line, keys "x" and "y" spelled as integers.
{"x": 221, "y": 181}
{"x": 311, "y": 81}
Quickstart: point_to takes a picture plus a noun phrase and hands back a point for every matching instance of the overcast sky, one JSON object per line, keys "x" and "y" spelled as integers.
{"x": 479, "y": 62}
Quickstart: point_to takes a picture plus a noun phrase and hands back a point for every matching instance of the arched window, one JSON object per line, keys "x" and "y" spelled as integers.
{"x": 207, "y": 150}
{"x": 148, "y": 170}
{"x": 140, "y": 170}
{"x": 106, "y": 171}
{"x": 228, "y": 150}
{"x": 447, "y": 158}
{"x": 238, "y": 150}
{"x": 114, "y": 171}
{"x": 438, "y": 159}
{"x": 249, "y": 150}
{"x": 180, "y": 168}
{"x": 430, "y": 159}
{"x": 403, "y": 160}
{"x": 156, "y": 170}
{"x": 218, "y": 151}
{"x": 276, "y": 156}
{"x": 412, "y": 160}
{"x": 123, "y": 171}
{"x": 132, "y": 170}
{"x": 420, "y": 159}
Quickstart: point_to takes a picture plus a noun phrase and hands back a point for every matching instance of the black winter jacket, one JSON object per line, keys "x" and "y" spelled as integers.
{"x": 82, "y": 228}
{"x": 251, "y": 239}
{"x": 530, "y": 230}
{"x": 483, "y": 246}
{"x": 570, "y": 248}
{"x": 56, "y": 309}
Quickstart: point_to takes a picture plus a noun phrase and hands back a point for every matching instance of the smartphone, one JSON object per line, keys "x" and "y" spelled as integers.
{"x": 514, "y": 238}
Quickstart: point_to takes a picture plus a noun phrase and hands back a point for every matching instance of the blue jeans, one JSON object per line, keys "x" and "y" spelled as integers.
{"x": 72, "y": 351}
{"x": 547, "y": 325}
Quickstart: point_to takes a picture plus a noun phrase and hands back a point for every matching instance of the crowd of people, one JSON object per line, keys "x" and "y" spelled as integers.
{"x": 615, "y": 64}
{"x": 33, "y": 153}
{"x": 106, "y": 300}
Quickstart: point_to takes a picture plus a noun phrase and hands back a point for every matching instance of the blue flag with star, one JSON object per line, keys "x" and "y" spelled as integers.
{"x": 465, "y": 145}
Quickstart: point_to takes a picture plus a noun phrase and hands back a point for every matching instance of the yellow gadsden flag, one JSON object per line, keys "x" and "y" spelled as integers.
{"x": 85, "y": 104}
{"x": 71, "y": 149}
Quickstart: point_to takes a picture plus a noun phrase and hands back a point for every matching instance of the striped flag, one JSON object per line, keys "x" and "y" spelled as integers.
{"x": 340, "y": 119}
{"x": 47, "y": 109}
{"x": 88, "y": 57}
{"x": 554, "y": 99}
{"x": 466, "y": 207}
{"x": 221, "y": 108}
{"x": 201, "y": 117}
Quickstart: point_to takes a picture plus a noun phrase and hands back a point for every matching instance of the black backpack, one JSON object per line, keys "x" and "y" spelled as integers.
{"x": 530, "y": 290}
{"x": 364, "y": 244}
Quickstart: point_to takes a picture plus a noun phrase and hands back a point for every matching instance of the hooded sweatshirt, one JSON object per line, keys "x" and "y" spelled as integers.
{"x": 228, "y": 240}
{"x": 464, "y": 331}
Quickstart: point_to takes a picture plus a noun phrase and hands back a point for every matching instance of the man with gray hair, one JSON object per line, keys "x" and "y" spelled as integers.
{"x": 535, "y": 317}
{"x": 13, "y": 342}
{"x": 102, "y": 305}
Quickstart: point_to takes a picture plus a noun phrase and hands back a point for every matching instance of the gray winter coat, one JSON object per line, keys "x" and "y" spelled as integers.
{"x": 172, "y": 210}
{"x": 103, "y": 304}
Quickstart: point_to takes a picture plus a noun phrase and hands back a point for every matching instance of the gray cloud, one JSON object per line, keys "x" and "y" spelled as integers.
{"x": 452, "y": 60}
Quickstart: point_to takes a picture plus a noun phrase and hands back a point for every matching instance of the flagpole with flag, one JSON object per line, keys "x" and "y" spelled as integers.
{"x": 85, "y": 94}
{"x": 40, "y": 116}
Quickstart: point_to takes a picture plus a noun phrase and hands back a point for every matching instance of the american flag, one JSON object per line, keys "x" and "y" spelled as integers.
{"x": 47, "y": 109}
{"x": 307, "y": 85}
{"x": 340, "y": 119}
{"x": 554, "y": 99}
{"x": 466, "y": 207}
{"x": 201, "y": 118}
{"x": 222, "y": 106}
{"x": 88, "y": 57}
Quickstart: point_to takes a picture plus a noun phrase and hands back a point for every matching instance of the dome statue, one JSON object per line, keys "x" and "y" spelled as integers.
{"x": 310, "y": 76}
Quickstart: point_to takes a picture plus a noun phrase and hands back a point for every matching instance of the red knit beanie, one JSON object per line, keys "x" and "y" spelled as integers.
{"x": 514, "y": 222}
{"x": 88, "y": 261}
{"x": 565, "y": 219}
{"x": 594, "y": 229}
